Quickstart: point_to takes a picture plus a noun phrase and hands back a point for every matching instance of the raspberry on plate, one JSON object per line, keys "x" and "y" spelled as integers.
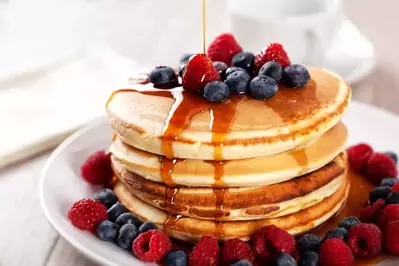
{"x": 151, "y": 246}
{"x": 334, "y": 252}
{"x": 379, "y": 166}
{"x": 205, "y": 252}
{"x": 391, "y": 239}
{"x": 235, "y": 250}
{"x": 273, "y": 52}
{"x": 395, "y": 188}
{"x": 365, "y": 240}
{"x": 370, "y": 214}
{"x": 358, "y": 156}
{"x": 223, "y": 48}
{"x": 389, "y": 214}
{"x": 198, "y": 72}
{"x": 97, "y": 168}
{"x": 86, "y": 214}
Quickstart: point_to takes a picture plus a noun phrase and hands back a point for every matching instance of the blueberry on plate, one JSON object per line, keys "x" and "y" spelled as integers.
{"x": 128, "y": 218}
{"x": 273, "y": 70}
{"x": 176, "y": 258}
{"x": 216, "y": 91}
{"x": 389, "y": 181}
{"x": 263, "y": 87}
{"x": 106, "y": 197}
{"x": 309, "y": 258}
{"x": 127, "y": 234}
{"x": 222, "y": 68}
{"x": 338, "y": 232}
{"x": 380, "y": 192}
{"x": 107, "y": 231}
{"x": 285, "y": 259}
{"x": 185, "y": 57}
{"x": 393, "y": 155}
{"x": 245, "y": 60}
{"x": 238, "y": 82}
{"x": 147, "y": 226}
{"x": 309, "y": 242}
{"x": 295, "y": 76}
{"x": 242, "y": 263}
{"x": 231, "y": 70}
{"x": 349, "y": 222}
{"x": 116, "y": 210}
{"x": 162, "y": 75}
{"x": 393, "y": 198}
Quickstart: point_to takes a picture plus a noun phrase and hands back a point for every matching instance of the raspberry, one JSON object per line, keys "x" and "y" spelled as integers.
{"x": 380, "y": 165}
{"x": 358, "y": 156}
{"x": 334, "y": 252}
{"x": 223, "y": 48}
{"x": 151, "y": 246}
{"x": 391, "y": 237}
{"x": 273, "y": 52}
{"x": 235, "y": 250}
{"x": 199, "y": 71}
{"x": 270, "y": 241}
{"x": 395, "y": 188}
{"x": 389, "y": 214}
{"x": 370, "y": 214}
{"x": 86, "y": 214}
{"x": 205, "y": 252}
{"x": 97, "y": 168}
{"x": 365, "y": 240}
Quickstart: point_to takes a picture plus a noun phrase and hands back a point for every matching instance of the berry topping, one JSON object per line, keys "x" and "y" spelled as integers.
{"x": 205, "y": 252}
{"x": 223, "y": 48}
{"x": 107, "y": 231}
{"x": 235, "y": 250}
{"x": 221, "y": 68}
{"x": 97, "y": 168}
{"x": 273, "y": 52}
{"x": 380, "y": 165}
{"x": 285, "y": 259}
{"x": 116, "y": 210}
{"x": 231, "y": 70}
{"x": 147, "y": 226}
{"x": 389, "y": 214}
{"x": 263, "y": 87}
{"x": 349, "y": 222}
{"x": 393, "y": 155}
{"x": 176, "y": 258}
{"x": 151, "y": 246}
{"x": 238, "y": 82}
{"x": 216, "y": 91}
{"x": 242, "y": 263}
{"x": 295, "y": 76}
{"x": 371, "y": 213}
{"x": 106, "y": 197}
{"x": 128, "y": 218}
{"x": 185, "y": 57}
{"x": 338, "y": 232}
{"x": 365, "y": 240}
{"x": 86, "y": 214}
{"x": 199, "y": 71}
{"x": 127, "y": 234}
{"x": 389, "y": 181}
{"x": 244, "y": 60}
{"x": 273, "y": 70}
{"x": 358, "y": 156}
{"x": 393, "y": 198}
{"x": 334, "y": 252}
{"x": 270, "y": 241}
{"x": 395, "y": 188}
{"x": 309, "y": 258}
{"x": 380, "y": 192}
{"x": 391, "y": 239}
{"x": 162, "y": 75}
{"x": 309, "y": 242}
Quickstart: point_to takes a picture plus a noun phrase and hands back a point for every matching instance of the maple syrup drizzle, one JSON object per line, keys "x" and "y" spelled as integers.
{"x": 170, "y": 222}
{"x": 300, "y": 157}
{"x": 167, "y": 166}
{"x": 114, "y": 136}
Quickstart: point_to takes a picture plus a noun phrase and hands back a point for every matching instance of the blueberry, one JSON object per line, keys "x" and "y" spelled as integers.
{"x": 273, "y": 70}
{"x": 216, "y": 91}
{"x": 242, "y": 263}
{"x": 107, "y": 231}
{"x": 285, "y": 259}
{"x": 338, "y": 232}
{"x": 221, "y": 67}
{"x": 127, "y": 234}
{"x": 162, "y": 75}
{"x": 393, "y": 198}
{"x": 106, "y": 197}
{"x": 389, "y": 181}
{"x": 309, "y": 242}
{"x": 231, "y": 70}
{"x": 182, "y": 67}
{"x": 128, "y": 218}
{"x": 245, "y": 60}
{"x": 176, "y": 258}
{"x": 381, "y": 192}
{"x": 263, "y": 87}
{"x": 116, "y": 210}
{"x": 185, "y": 57}
{"x": 296, "y": 76}
{"x": 393, "y": 155}
{"x": 238, "y": 81}
{"x": 147, "y": 226}
{"x": 349, "y": 222}
{"x": 309, "y": 258}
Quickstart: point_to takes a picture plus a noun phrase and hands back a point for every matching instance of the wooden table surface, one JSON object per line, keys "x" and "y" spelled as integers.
{"x": 26, "y": 238}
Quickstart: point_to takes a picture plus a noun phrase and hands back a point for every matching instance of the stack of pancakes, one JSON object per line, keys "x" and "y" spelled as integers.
{"x": 227, "y": 169}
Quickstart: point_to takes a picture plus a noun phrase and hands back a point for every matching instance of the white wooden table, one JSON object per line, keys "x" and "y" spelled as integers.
{"x": 26, "y": 238}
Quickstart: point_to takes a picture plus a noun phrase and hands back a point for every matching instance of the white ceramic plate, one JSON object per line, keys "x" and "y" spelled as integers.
{"x": 61, "y": 184}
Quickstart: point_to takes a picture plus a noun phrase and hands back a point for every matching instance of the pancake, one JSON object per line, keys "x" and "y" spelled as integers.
{"x": 190, "y": 229}
{"x": 239, "y": 203}
{"x": 259, "y": 171}
{"x": 180, "y": 124}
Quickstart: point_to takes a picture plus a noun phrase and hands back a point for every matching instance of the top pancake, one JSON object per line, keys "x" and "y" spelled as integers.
{"x": 181, "y": 124}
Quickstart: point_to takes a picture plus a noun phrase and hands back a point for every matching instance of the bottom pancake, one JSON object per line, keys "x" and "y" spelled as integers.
{"x": 191, "y": 229}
